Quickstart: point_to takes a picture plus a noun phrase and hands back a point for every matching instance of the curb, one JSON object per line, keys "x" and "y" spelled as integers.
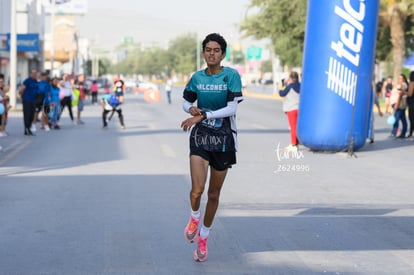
{"x": 262, "y": 96}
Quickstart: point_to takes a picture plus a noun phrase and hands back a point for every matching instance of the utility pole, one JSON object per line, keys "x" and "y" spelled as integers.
{"x": 13, "y": 54}
{"x": 52, "y": 37}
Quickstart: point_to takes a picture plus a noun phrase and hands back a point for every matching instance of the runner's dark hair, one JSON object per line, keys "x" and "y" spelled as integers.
{"x": 216, "y": 38}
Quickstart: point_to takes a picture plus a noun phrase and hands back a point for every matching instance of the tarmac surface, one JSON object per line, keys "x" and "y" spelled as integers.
{"x": 82, "y": 200}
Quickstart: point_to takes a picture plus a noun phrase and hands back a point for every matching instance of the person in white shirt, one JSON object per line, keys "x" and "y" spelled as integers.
{"x": 66, "y": 86}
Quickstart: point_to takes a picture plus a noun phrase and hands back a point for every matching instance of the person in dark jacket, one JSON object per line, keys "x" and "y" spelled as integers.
{"x": 28, "y": 92}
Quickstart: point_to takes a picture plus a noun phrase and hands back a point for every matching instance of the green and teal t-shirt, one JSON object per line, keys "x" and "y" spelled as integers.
{"x": 212, "y": 92}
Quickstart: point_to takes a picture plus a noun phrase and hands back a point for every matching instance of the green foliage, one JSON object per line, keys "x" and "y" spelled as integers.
{"x": 182, "y": 53}
{"x": 406, "y": 72}
{"x": 132, "y": 62}
{"x": 409, "y": 31}
{"x": 384, "y": 45}
{"x": 283, "y": 21}
{"x": 237, "y": 57}
{"x": 179, "y": 57}
{"x": 153, "y": 61}
{"x": 266, "y": 66}
{"x": 104, "y": 66}
{"x": 395, "y": 34}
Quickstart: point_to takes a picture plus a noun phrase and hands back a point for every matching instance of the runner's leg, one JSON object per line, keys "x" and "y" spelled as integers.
{"x": 198, "y": 170}
{"x": 216, "y": 183}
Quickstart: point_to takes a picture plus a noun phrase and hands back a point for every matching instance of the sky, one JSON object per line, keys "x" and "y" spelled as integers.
{"x": 150, "y": 22}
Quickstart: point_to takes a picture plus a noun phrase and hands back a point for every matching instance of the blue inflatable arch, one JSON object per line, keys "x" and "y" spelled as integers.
{"x": 339, "y": 55}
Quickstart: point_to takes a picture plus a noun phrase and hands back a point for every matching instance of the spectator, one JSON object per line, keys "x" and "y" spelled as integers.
{"x": 28, "y": 92}
{"x": 168, "y": 88}
{"x": 43, "y": 95}
{"x": 46, "y": 103}
{"x": 375, "y": 102}
{"x": 398, "y": 100}
{"x": 54, "y": 104}
{"x": 94, "y": 92}
{"x": 410, "y": 103}
{"x": 4, "y": 100}
{"x": 290, "y": 94}
{"x": 81, "y": 98}
{"x": 387, "y": 87}
{"x": 66, "y": 87}
{"x": 378, "y": 87}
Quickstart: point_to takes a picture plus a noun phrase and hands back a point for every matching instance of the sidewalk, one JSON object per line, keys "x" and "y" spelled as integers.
{"x": 15, "y": 139}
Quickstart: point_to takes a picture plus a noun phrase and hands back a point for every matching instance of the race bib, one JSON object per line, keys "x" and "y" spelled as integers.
{"x": 214, "y": 123}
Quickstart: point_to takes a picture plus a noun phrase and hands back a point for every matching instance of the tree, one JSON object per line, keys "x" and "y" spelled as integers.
{"x": 132, "y": 61}
{"x": 283, "y": 21}
{"x": 182, "y": 53}
{"x": 180, "y": 57}
{"x": 103, "y": 63}
{"x": 383, "y": 46}
{"x": 266, "y": 66}
{"x": 149, "y": 61}
{"x": 237, "y": 57}
{"x": 396, "y": 15}
{"x": 153, "y": 61}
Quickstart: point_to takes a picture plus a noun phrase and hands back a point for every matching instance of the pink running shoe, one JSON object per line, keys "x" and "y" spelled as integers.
{"x": 201, "y": 253}
{"x": 191, "y": 230}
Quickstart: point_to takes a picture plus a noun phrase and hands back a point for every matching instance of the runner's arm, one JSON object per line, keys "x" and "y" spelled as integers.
{"x": 187, "y": 105}
{"x": 229, "y": 110}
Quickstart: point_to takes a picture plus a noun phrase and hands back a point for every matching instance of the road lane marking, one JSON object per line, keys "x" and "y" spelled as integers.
{"x": 14, "y": 151}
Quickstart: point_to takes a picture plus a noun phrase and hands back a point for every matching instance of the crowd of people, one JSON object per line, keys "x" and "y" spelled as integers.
{"x": 44, "y": 100}
{"x": 398, "y": 96}
{"x": 399, "y": 102}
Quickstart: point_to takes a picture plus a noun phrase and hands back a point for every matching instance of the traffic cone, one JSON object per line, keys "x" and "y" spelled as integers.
{"x": 152, "y": 95}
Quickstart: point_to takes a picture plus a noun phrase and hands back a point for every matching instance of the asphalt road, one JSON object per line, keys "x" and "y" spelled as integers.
{"x": 82, "y": 200}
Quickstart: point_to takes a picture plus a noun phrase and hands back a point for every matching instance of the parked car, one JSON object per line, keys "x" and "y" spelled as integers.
{"x": 130, "y": 85}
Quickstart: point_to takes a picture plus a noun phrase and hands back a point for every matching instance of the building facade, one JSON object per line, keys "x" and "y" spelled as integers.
{"x": 30, "y": 28}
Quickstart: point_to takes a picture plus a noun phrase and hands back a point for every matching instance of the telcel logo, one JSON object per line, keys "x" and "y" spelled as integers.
{"x": 342, "y": 80}
{"x": 351, "y": 32}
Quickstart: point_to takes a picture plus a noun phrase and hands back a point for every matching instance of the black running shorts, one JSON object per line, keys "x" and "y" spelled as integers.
{"x": 218, "y": 160}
